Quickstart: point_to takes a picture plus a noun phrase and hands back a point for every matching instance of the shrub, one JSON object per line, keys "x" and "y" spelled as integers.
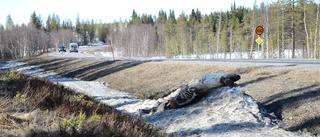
{"x": 37, "y": 107}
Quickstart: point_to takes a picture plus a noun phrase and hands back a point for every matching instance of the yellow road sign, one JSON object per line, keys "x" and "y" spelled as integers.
{"x": 259, "y": 40}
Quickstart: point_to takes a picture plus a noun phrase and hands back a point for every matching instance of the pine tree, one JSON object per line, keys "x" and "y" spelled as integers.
{"x": 224, "y": 36}
{"x": 63, "y": 26}
{"x": 198, "y": 16}
{"x": 144, "y": 18}
{"x": 69, "y": 24}
{"x": 182, "y": 25}
{"x": 246, "y": 32}
{"x": 304, "y": 3}
{"x": 316, "y": 34}
{"x": 48, "y": 24}
{"x": 204, "y": 32}
{"x": 275, "y": 26}
{"x": 1, "y": 28}
{"x": 150, "y": 20}
{"x": 55, "y": 22}
{"x": 232, "y": 25}
{"x": 170, "y": 33}
{"x": 156, "y": 38}
{"x": 192, "y": 25}
{"x": 219, "y": 33}
{"x": 91, "y": 31}
{"x": 102, "y": 33}
{"x": 84, "y": 28}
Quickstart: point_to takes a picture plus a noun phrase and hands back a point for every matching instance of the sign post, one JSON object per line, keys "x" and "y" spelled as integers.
{"x": 45, "y": 45}
{"x": 259, "y": 30}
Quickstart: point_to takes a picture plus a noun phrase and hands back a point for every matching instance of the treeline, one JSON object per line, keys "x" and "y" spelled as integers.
{"x": 34, "y": 38}
{"x": 288, "y": 26}
{"x": 291, "y": 30}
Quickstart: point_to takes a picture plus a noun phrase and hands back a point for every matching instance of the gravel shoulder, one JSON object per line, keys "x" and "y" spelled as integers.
{"x": 290, "y": 94}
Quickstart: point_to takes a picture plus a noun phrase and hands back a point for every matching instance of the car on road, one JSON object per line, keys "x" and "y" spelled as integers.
{"x": 62, "y": 48}
{"x": 73, "y": 47}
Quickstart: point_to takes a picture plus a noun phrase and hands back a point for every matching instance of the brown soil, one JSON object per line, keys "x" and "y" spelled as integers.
{"x": 292, "y": 96}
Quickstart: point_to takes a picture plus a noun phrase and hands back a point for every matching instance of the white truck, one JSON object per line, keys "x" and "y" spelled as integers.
{"x": 73, "y": 47}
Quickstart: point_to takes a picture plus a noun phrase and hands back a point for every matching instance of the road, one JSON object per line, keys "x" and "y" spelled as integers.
{"x": 305, "y": 64}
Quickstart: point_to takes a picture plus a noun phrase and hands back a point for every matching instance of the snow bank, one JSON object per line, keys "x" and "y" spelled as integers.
{"x": 224, "y": 111}
{"x": 108, "y": 54}
{"x": 286, "y": 54}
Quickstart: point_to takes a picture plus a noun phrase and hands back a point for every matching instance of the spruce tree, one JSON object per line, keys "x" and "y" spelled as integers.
{"x": 156, "y": 38}
{"x": 78, "y": 29}
{"x": 162, "y": 17}
{"x": 63, "y": 26}
{"x": 134, "y": 18}
{"x": 9, "y": 23}
{"x": 35, "y": 20}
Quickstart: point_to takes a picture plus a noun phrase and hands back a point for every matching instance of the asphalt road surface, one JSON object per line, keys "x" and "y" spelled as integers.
{"x": 305, "y": 64}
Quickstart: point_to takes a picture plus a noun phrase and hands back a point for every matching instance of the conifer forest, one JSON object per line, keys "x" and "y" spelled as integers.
{"x": 291, "y": 30}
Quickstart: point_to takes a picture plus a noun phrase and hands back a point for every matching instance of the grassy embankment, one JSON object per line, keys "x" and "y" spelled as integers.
{"x": 37, "y": 107}
{"x": 292, "y": 96}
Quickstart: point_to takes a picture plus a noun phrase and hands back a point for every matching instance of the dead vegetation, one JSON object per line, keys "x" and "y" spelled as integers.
{"x": 91, "y": 52}
{"x": 292, "y": 96}
{"x": 37, "y": 107}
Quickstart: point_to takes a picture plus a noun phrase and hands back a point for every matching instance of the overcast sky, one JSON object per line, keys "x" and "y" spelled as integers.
{"x": 108, "y": 10}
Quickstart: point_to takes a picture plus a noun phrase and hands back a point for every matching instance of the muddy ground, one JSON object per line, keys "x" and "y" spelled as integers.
{"x": 292, "y": 96}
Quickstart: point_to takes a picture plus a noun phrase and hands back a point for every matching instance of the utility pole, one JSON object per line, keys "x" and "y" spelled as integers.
{"x": 110, "y": 44}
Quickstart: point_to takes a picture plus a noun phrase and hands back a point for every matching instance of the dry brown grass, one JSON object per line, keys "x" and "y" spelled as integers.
{"x": 292, "y": 96}
{"x": 90, "y": 52}
{"x": 37, "y": 107}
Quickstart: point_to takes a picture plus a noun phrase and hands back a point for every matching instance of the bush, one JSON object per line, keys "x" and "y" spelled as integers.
{"x": 34, "y": 106}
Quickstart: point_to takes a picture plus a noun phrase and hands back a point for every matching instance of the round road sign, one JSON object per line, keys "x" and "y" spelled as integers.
{"x": 259, "y": 30}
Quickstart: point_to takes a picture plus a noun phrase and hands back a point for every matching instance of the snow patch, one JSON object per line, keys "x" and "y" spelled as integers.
{"x": 107, "y": 54}
{"x": 286, "y": 54}
{"x": 224, "y": 111}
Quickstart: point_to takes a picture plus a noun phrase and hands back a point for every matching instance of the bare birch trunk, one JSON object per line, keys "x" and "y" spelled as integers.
{"x": 278, "y": 41}
{"x": 282, "y": 34}
{"x": 230, "y": 41}
{"x": 292, "y": 32}
{"x": 218, "y": 35}
{"x": 305, "y": 28}
{"x": 315, "y": 35}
